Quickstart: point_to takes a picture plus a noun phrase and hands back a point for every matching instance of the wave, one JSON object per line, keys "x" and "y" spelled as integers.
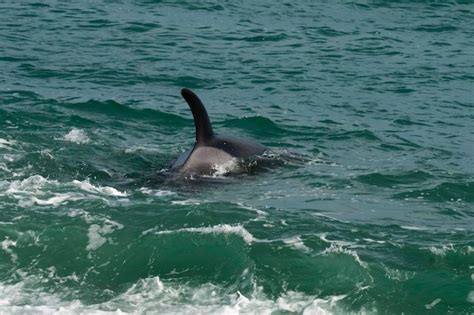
{"x": 353, "y": 134}
{"x": 444, "y": 192}
{"x": 391, "y": 180}
{"x": 124, "y": 112}
{"x": 264, "y": 126}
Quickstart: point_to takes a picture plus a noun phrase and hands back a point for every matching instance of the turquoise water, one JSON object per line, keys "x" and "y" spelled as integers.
{"x": 377, "y": 218}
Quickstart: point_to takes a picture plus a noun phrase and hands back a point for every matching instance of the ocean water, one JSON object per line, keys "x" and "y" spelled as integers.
{"x": 367, "y": 207}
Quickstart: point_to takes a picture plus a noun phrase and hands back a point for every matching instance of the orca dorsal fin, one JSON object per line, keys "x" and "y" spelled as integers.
{"x": 204, "y": 131}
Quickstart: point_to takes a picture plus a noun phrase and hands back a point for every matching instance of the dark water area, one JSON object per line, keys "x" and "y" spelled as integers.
{"x": 368, "y": 207}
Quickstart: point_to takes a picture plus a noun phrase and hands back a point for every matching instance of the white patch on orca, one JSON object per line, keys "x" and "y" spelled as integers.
{"x": 208, "y": 158}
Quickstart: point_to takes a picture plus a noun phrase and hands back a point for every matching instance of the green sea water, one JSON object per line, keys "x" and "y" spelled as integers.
{"x": 367, "y": 207}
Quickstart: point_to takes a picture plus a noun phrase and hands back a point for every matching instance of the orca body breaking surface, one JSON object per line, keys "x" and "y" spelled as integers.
{"x": 211, "y": 151}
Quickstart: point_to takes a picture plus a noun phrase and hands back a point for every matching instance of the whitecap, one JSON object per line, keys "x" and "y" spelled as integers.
{"x": 441, "y": 251}
{"x": 340, "y": 247}
{"x": 78, "y": 136}
{"x": 32, "y": 184}
{"x": 413, "y": 228}
{"x": 216, "y": 229}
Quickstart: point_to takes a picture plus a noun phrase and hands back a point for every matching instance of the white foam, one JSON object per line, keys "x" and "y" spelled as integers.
{"x": 55, "y": 201}
{"x": 100, "y": 227}
{"x": 157, "y": 193}
{"x": 441, "y": 251}
{"x": 297, "y": 244}
{"x": 96, "y": 233}
{"x": 373, "y": 241}
{"x": 470, "y": 297}
{"x": 340, "y": 247}
{"x": 216, "y": 229}
{"x": 432, "y": 304}
{"x": 7, "y": 144}
{"x": 78, "y": 136}
{"x": 251, "y": 208}
{"x": 398, "y": 275}
{"x": 32, "y": 184}
{"x": 109, "y": 191}
{"x": 30, "y": 190}
{"x": 12, "y": 157}
{"x": 47, "y": 153}
{"x": 6, "y": 244}
{"x": 186, "y": 202}
{"x": 335, "y": 242}
{"x": 3, "y": 167}
{"x": 413, "y": 228}
{"x": 151, "y": 295}
{"x": 39, "y": 190}
{"x": 77, "y": 213}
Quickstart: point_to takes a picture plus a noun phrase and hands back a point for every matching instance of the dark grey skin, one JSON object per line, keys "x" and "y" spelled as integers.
{"x": 211, "y": 150}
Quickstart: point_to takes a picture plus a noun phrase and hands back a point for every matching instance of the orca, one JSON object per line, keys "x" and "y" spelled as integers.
{"x": 212, "y": 152}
